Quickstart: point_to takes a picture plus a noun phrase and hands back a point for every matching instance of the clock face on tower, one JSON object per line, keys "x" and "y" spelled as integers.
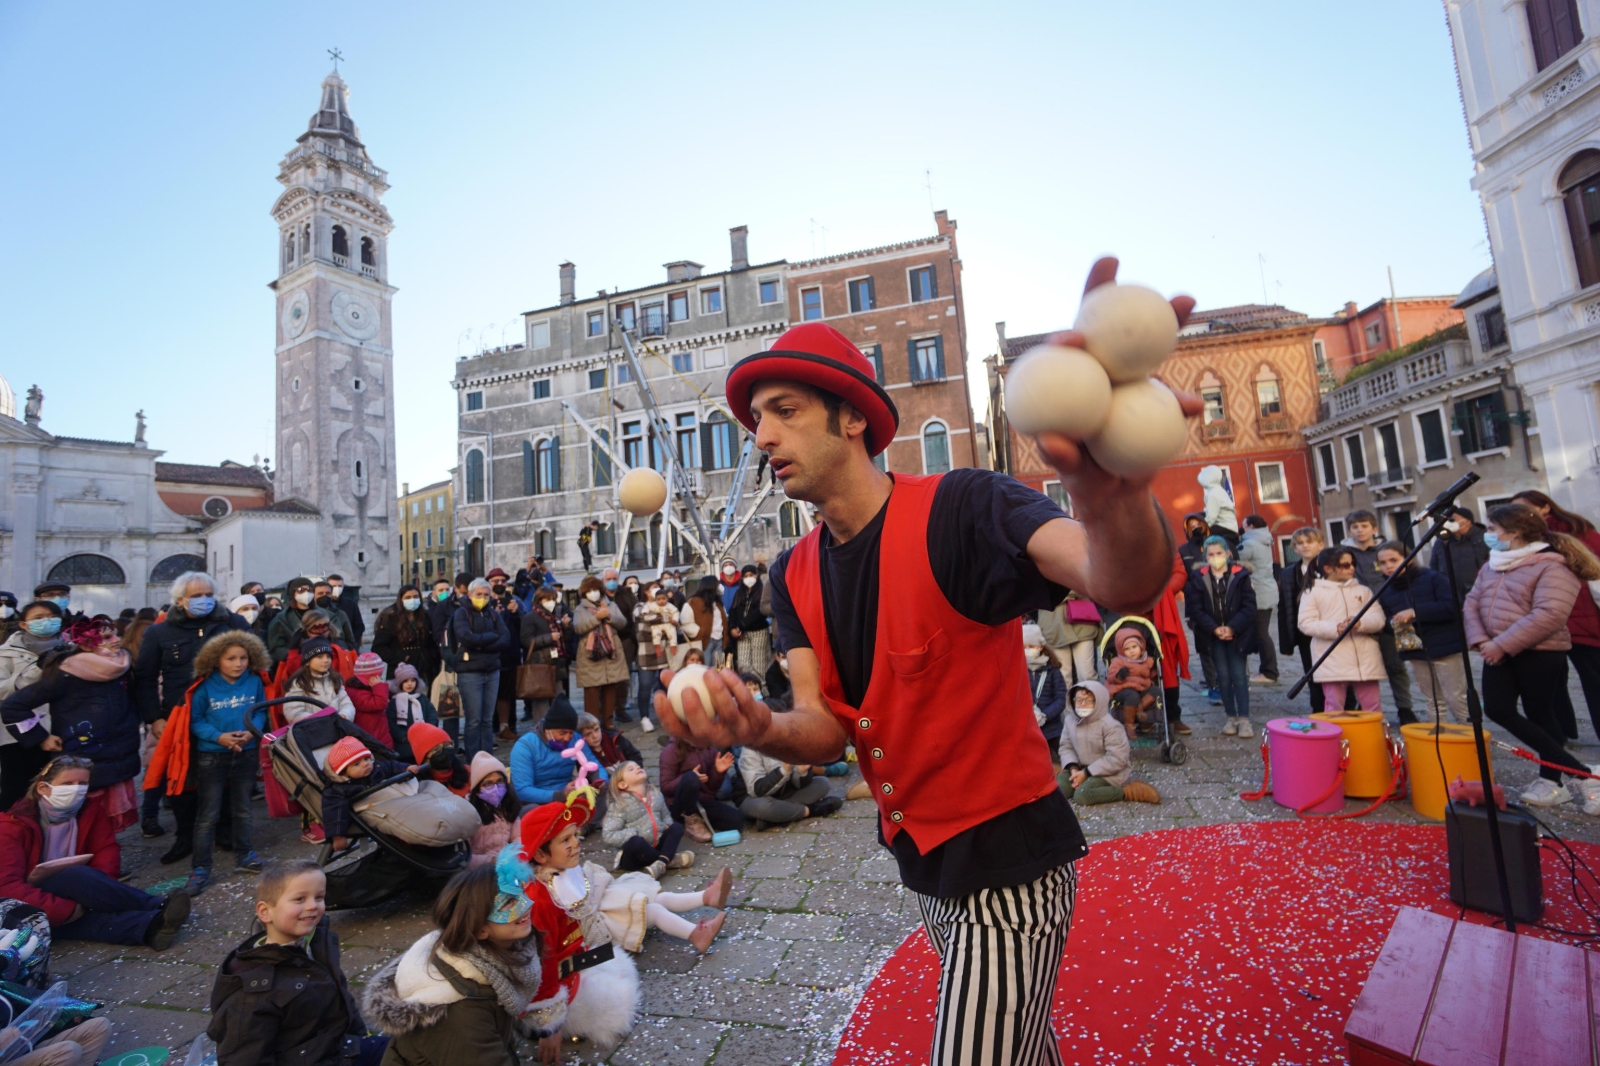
{"x": 296, "y": 313}
{"x": 355, "y": 317}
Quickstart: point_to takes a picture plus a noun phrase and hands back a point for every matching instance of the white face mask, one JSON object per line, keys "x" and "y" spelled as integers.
{"x": 6, "y": 610}
{"x": 593, "y": 595}
{"x": 783, "y": 664}
{"x": 303, "y": 598}
{"x": 547, "y": 605}
{"x": 334, "y": 590}
{"x": 750, "y": 582}
{"x": 1035, "y": 655}
{"x": 729, "y": 570}
{"x": 65, "y": 799}
{"x": 248, "y": 613}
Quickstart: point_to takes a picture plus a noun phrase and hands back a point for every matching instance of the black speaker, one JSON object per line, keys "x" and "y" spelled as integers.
{"x": 1473, "y": 882}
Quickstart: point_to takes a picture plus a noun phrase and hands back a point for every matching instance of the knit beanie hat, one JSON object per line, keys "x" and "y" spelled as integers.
{"x": 239, "y": 603}
{"x": 314, "y": 647}
{"x": 404, "y": 672}
{"x": 1032, "y": 635}
{"x": 369, "y": 665}
{"x": 560, "y": 715}
{"x": 484, "y": 764}
{"x": 346, "y": 751}
{"x": 424, "y": 737}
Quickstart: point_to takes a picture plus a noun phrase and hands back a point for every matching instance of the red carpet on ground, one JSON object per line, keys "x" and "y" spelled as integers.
{"x": 1239, "y": 943}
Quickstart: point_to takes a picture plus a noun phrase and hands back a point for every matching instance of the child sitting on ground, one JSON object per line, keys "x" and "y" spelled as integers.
{"x": 408, "y": 705}
{"x": 369, "y": 693}
{"x": 280, "y": 996}
{"x": 1095, "y": 757}
{"x": 433, "y": 748}
{"x": 352, "y": 768}
{"x": 489, "y": 790}
{"x": 637, "y": 821}
{"x": 661, "y": 619}
{"x": 1130, "y": 677}
{"x": 467, "y": 991}
{"x": 609, "y": 747}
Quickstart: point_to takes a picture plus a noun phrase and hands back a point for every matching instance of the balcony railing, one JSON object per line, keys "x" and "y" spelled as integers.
{"x": 1396, "y": 380}
{"x": 652, "y": 326}
{"x": 341, "y": 260}
{"x": 1222, "y": 430}
{"x": 370, "y": 271}
{"x": 1273, "y": 424}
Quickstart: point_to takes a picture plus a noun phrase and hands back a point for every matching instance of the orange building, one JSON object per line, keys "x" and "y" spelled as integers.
{"x": 1355, "y": 336}
{"x": 212, "y": 492}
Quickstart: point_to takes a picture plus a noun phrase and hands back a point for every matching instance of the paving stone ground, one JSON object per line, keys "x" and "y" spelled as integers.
{"x": 816, "y": 909}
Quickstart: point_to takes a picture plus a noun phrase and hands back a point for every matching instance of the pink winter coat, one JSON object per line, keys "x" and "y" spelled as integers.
{"x": 1524, "y": 606}
{"x": 1323, "y": 608}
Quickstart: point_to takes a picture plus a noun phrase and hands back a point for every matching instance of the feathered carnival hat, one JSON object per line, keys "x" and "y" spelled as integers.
{"x": 512, "y": 874}
{"x": 91, "y": 634}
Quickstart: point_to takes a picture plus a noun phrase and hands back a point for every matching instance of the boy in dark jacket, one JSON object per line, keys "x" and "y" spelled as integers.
{"x": 280, "y": 997}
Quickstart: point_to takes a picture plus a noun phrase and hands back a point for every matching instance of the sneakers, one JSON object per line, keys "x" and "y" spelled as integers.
{"x": 198, "y": 880}
{"x": 1141, "y": 792}
{"x": 647, "y": 726}
{"x": 250, "y": 863}
{"x": 706, "y": 931}
{"x": 1180, "y": 727}
{"x": 696, "y": 829}
{"x": 1215, "y": 696}
{"x": 681, "y": 861}
{"x": 1231, "y": 728}
{"x": 164, "y": 929}
{"x": 616, "y": 862}
{"x": 1543, "y": 793}
{"x": 858, "y": 791}
{"x": 1588, "y": 792}
{"x": 716, "y": 891}
{"x": 826, "y": 806}
{"x": 1245, "y": 728}
{"x": 314, "y": 835}
{"x": 1263, "y": 679}
{"x": 151, "y": 828}
{"x": 181, "y": 849}
{"x": 656, "y": 869}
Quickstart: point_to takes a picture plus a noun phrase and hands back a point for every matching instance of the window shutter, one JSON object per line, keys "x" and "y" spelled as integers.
{"x": 1542, "y": 30}
{"x": 1582, "y": 244}
{"x": 938, "y": 352}
{"x": 530, "y": 483}
{"x": 555, "y": 464}
{"x": 933, "y": 283}
{"x": 872, "y": 296}
{"x": 1564, "y": 26}
{"x": 911, "y": 358}
{"x": 706, "y": 447}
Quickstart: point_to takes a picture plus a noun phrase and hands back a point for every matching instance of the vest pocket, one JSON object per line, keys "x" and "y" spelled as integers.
{"x": 912, "y": 663}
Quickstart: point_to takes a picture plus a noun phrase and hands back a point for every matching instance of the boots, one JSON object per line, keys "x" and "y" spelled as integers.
{"x": 1140, "y": 792}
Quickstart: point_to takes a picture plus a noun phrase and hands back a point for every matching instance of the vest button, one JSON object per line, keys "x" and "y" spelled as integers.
{"x": 877, "y": 753}
{"x": 888, "y": 789}
{"x": 897, "y": 817}
{"x": 865, "y": 723}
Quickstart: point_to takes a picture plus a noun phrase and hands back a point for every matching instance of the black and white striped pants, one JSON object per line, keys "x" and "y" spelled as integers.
{"x": 1000, "y": 951}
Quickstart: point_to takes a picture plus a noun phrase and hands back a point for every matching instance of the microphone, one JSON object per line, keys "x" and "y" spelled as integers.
{"x": 1446, "y": 499}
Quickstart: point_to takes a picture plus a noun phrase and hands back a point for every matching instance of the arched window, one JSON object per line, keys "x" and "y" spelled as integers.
{"x": 91, "y": 570}
{"x": 602, "y": 461}
{"x": 168, "y": 569}
{"x": 474, "y": 477}
{"x": 288, "y": 250}
{"x": 358, "y": 474}
{"x": 1269, "y": 398}
{"x": 305, "y": 240}
{"x": 717, "y": 515}
{"x": 935, "y": 448}
{"x": 1216, "y": 410}
{"x": 1580, "y": 188}
{"x": 475, "y": 556}
{"x": 789, "y": 523}
{"x": 547, "y": 465}
{"x": 368, "y": 257}
{"x": 530, "y": 484}
{"x": 717, "y": 450}
{"x": 341, "y": 246}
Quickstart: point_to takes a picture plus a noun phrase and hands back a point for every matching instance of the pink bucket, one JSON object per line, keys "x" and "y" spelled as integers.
{"x": 1305, "y": 763}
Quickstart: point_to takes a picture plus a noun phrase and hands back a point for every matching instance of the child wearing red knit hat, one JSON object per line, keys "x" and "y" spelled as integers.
{"x": 432, "y": 747}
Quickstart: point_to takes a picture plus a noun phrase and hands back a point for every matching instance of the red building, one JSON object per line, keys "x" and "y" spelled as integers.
{"x": 1355, "y": 336}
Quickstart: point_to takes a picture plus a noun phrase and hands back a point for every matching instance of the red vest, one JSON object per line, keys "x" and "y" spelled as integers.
{"x": 946, "y": 735}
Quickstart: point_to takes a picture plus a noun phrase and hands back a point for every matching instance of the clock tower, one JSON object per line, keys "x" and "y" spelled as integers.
{"x": 335, "y": 360}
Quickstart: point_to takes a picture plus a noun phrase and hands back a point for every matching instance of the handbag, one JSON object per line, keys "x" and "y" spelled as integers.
{"x": 1083, "y": 613}
{"x": 1405, "y": 637}
{"x": 536, "y": 681}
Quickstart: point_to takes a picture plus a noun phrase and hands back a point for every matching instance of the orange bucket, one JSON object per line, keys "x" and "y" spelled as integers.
{"x": 1454, "y": 748}
{"x": 1370, "y": 771}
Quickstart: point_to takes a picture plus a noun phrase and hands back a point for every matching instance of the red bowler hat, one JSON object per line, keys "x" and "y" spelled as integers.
{"x": 820, "y": 356}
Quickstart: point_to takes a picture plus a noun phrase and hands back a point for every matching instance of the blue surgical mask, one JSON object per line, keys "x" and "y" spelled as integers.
{"x": 199, "y": 606}
{"x": 411, "y": 603}
{"x": 611, "y": 586}
{"x": 1492, "y": 541}
{"x": 61, "y": 601}
{"x": 44, "y": 627}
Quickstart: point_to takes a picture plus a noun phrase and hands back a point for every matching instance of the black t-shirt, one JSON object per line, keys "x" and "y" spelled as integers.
{"x": 978, "y": 532}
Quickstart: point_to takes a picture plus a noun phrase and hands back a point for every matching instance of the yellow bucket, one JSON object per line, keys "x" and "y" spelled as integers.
{"x": 1454, "y": 748}
{"x": 1369, "y": 772}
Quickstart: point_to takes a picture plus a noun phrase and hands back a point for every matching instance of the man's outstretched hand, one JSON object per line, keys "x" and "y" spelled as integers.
{"x": 741, "y": 718}
{"x": 1081, "y": 476}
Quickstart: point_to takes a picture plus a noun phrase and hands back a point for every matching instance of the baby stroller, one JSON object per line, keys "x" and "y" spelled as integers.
{"x": 1173, "y": 750}
{"x": 403, "y": 830}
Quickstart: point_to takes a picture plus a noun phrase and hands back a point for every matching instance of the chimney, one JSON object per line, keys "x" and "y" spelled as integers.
{"x": 569, "y": 283}
{"x": 1000, "y": 331}
{"x": 942, "y": 223}
{"x": 739, "y": 237}
{"x": 1350, "y": 309}
{"x": 682, "y": 270}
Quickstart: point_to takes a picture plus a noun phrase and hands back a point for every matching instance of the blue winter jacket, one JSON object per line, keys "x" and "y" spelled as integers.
{"x": 1239, "y": 606}
{"x": 1428, "y": 593}
{"x": 219, "y": 706}
{"x": 1050, "y": 697}
{"x": 538, "y": 771}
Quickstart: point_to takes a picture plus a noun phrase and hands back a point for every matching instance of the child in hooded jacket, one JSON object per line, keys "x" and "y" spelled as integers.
{"x": 1096, "y": 758}
{"x": 465, "y": 993}
{"x": 230, "y": 671}
{"x": 369, "y": 693}
{"x": 1130, "y": 676}
{"x": 408, "y": 705}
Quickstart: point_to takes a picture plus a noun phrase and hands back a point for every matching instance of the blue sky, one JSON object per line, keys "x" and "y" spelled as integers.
{"x": 1209, "y": 145}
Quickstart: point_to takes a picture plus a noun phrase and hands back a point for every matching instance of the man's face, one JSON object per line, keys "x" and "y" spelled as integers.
{"x": 321, "y": 589}
{"x": 1363, "y": 533}
{"x": 792, "y": 428}
{"x": 560, "y": 736}
{"x": 256, "y": 591}
{"x": 1307, "y": 548}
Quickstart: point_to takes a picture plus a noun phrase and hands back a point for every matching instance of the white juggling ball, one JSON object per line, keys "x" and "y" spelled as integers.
{"x": 1146, "y": 429}
{"x": 1057, "y": 389}
{"x": 1129, "y": 328}
{"x": 642, "y": 491}
{"x": 691, "y": 676}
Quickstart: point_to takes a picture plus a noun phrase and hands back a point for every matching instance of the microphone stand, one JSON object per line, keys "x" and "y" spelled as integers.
{"x": 1439, "y": 510}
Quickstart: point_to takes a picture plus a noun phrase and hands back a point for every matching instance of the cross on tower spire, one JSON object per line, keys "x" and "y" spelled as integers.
{"x": 335, "y": 55}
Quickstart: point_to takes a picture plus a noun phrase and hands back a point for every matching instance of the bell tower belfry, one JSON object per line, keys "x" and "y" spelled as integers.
{"x": 335, "y": 360}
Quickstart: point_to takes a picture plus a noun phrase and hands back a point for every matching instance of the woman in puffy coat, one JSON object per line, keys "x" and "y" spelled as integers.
{"x": 1516, "y": 618}
{"x": 478, "y": 632}
{"x": 1045, "y": 682}
{"x": 1584, "y": 622}
{"x": 402, "y": 634}
{"x": 1325, "y": 612}
{"x": 38, "y": 635}
{"x": 544, "y": 640}
{"x": 602, "y": 673}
